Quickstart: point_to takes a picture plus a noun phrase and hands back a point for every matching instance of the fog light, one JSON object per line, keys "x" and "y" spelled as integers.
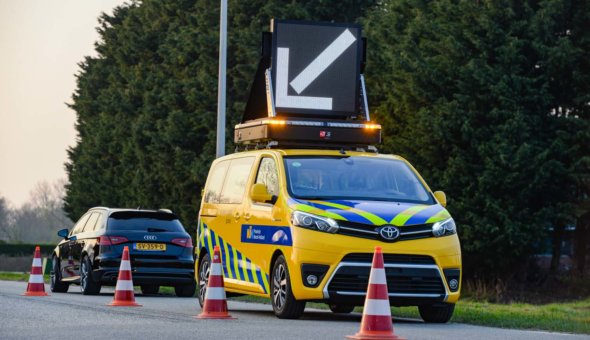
{"x": 312, "y": 280}
{"x": 453, "y": 284}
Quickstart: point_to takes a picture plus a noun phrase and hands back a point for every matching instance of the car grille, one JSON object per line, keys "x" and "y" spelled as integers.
{"x": 414, "y": 281}
{"x": 389, "y": 258}
{"x": 369, "y": 231}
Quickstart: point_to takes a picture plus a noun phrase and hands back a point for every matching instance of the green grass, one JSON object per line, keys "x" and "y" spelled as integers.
{"x": 17, "y": 276}
{"x": 569, "y": 317}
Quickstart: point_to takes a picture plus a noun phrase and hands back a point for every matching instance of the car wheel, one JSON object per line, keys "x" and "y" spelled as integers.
{"x": 204, "y": 267}
{"x": 437, "y": 313}
{"x": 284, "y": 303}
{"x": 57, "y": 286}
{"x": 344, "y": 309}
{"x": 87, "y": 283}
{"x": 150, "y": 289}
{"x": 185, "y": 290}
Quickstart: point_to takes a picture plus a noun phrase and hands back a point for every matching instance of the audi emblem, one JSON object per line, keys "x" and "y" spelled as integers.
{"x": 150, "y": 237}
{"x": 388, "y": 232}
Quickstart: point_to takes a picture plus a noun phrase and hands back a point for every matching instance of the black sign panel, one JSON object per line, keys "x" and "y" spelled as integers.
{"x": 316, "y": 68}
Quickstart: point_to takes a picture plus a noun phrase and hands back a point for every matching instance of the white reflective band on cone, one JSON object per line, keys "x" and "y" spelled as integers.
{"x": 215, "y": 293}
{"x": 125, "y": 265}
{"x": 37, "y": 262}
{"x": 124, "y": 285}
{"x": 378, "y": 276}
{"x": 215, "y": 269}
{"x": 34, "y": 278}
{"x": 377, "y": 307}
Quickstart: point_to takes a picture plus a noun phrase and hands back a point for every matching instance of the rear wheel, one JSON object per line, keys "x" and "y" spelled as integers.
{"x": 150, "y": 289}
{"x": 437, "y": 313}
{"x": 344, "y": 309}
{"x": 204, "y": 267}
{"x": 57, "y": 286}
{"x": 185, "y": 290}
{"x": 87, "y": 283}
{"x": 284, "y": 303}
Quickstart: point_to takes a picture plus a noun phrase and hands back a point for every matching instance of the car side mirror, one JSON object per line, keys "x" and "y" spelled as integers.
{"x": 63, "y": 233}
{"x": 441, "y": 198}
{"x": 260, "y": 194}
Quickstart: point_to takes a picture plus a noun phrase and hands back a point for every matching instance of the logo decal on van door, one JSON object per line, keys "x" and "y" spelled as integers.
{"x": 265, "y": 234}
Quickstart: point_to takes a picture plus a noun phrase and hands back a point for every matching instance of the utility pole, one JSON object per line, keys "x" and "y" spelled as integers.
{"x": 221, "y": 82}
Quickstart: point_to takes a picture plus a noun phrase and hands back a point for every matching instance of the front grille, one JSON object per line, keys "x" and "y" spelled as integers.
{"x": 369, "y": 231}
{"x": 399, "y": 280}
{"x": 389, "y": 258}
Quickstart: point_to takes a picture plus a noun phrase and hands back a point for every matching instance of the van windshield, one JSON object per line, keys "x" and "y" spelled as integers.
{"x": 352, "y": 177}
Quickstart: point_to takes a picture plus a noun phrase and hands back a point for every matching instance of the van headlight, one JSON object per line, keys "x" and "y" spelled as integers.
{"x": 446, "y": 227}
{"x": 314, "y": 222}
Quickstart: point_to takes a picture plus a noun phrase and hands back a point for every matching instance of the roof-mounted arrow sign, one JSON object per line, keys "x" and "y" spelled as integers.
{"x": 316, "y": 68}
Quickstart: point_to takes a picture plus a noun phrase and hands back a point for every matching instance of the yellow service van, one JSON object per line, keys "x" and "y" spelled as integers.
{"x": 301, "y": 224}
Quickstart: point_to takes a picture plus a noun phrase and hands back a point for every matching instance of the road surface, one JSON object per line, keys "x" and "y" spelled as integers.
{"x": 73, "y": 315}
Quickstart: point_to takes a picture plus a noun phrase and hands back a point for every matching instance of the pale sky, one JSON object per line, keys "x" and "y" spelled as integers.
{"x": 41, "y": 43}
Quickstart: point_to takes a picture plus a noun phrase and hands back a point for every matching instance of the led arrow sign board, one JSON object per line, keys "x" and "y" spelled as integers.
{"x": 316, "y": 68}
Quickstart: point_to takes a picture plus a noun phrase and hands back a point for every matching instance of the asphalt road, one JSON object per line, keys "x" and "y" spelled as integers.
{"x": 72, "y": 315}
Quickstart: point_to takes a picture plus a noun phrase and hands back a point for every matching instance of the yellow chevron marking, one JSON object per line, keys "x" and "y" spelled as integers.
{"x": 228, "y": 259}
{"x": 376, "y": 220}
{"x": 316, "y": 211}
{"x": 442, "y": 215}
{"x": 235, "y": 257}
{"x": 405, "y": 215}
{"x": 266, "y": 285}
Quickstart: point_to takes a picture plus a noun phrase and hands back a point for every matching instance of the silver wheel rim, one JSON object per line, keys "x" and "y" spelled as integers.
{"x": 83, "y": 276}
{"x": 203, "y": 279}
{"x": 279, "y": 290}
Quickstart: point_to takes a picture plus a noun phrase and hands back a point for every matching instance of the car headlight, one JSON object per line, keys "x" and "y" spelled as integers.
{"x": 446, "y": 227}
{"x": 314, "y": 222}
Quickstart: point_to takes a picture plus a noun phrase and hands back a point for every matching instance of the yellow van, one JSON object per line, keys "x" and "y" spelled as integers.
{"x": 298, "y": 225}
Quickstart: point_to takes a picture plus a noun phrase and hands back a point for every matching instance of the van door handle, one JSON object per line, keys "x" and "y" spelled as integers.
{"x": 237, "y": 215}
{"x": 247, "y": 216}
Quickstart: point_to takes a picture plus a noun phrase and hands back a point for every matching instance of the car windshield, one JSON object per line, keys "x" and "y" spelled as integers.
{"x": 360, "y": 178}
{"x": 144, "y": 221}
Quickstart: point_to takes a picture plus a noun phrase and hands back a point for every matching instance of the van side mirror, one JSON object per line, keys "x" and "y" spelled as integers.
{"x": 259, "y": 193}
{"x": 441, "y": 198}
{"x": 63, "y": 233}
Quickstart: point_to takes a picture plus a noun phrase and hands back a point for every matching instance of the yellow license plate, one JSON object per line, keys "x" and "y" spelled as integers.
{"x": 150, "y": 246}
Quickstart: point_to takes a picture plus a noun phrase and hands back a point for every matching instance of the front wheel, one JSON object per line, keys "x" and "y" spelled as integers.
{"x": 87, "y": 283}
{"x": 57, "y": 286}
{"x": 150, "y": 289}
{"x": 437, "y": 313}
{"x": 284, "y": 303}
{"x": 204, "y": 267}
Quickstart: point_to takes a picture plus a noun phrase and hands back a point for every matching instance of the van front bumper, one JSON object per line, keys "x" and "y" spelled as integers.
{"x": 415, "y": 272}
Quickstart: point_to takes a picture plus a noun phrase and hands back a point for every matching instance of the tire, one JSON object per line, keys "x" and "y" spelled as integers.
{"x": 341, "y": 309}
{"x": 284, "y": 304}
{"x": 437, "y": 313}
{"x": 203, "y": 277}
{"x": 150, "y": 289}
{"x": 87, "y": 283}
{"x": 185, "y": 290}
{"x": 57, "y": 286}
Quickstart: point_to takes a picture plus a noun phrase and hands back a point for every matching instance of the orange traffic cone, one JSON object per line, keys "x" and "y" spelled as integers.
{"x": 36, "y": 286}
{"x": 376, "y": 322}
{"x": 124, "y": 290}
{"x": 215, "y": 306}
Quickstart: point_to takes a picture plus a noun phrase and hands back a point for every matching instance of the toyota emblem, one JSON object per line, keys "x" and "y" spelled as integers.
{"x": 389, "y": 232}
{"x": 150, "y": 237}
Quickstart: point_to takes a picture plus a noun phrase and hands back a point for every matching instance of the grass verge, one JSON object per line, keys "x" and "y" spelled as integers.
{"x": 18, "y": 276}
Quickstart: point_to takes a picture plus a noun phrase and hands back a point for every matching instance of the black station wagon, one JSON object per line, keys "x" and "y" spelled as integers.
{"x": 161, "y": 251}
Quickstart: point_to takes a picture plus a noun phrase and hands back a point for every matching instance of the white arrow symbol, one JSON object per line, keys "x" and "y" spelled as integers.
{"x": 322, "y": 61}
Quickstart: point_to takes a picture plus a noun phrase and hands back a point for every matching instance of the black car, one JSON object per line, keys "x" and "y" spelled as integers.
{"x": 161, "y": 251}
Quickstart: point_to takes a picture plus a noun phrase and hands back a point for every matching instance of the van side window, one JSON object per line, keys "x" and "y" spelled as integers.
{"x": 215, "y": 182}
{"x": 268, "y": 175}
{"x": 80, "y": 225}
{"x": 236, "y": 180}
{"x": 91, "y": 222}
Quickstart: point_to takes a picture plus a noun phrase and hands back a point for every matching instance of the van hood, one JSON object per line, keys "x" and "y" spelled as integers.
{"x": 373, "y": 212}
